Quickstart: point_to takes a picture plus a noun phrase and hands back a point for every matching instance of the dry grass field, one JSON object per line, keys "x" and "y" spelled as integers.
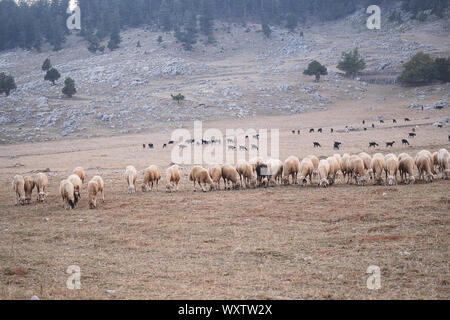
{"x": 277, "y": 243}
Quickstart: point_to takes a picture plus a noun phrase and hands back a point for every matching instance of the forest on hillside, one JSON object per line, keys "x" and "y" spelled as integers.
{"x": 28, "y": 24}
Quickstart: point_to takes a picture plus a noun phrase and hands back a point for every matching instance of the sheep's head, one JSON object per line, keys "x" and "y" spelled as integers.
{"x": 42, "y": 196}
{"x": 265, "y": 182}
{"x": 446, "y": 174}
{"x": 253, "y": 182}
{"x": 168, "y": 188}
{"x": 391, "y": 180}
{"x": 144, "y": 188}
{"x": 370, "y": 174}
{"x": 131, "y": 189}
{"x": 285, "y": 180}
{"x": 411, "y": 179}
{"x": 92, "y": 204}
{"x": 22, "y": 200}
{"x": 304, "y": 181}
{"x": 362, "y": 180}
{"x": 323, "y": 183}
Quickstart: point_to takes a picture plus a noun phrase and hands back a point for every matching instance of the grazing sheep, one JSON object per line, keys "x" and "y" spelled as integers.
{"x": 391, "y": 168}
{"x": 444, "y": 163}
{"x": 423, "y": 163}
{"x": 151, "y": 175}
{"x": 262, "y": 174}
{"x": 131, "y": 176}
{"x": 377, "y": 165}
{"x": 79, "y": 171}
{"x": 323, "y": 170}
{"x": 215, "y": 172}
{"x": 41, "y": 181}
{"x": 201, "y": 176}
{"x": 95, "y": 186}
{"x": 345, "y": 166}
{"x": 77, "y": 185}
{"x": 306, "y": 170}
{"x": 435, "y": 163}
{"x": 406, "y": 168}
{"x": 18, "y": 186}
{"x": 173, "y": 177}
{"x": 390, "y": 144}
{"x": 67, "y": 191}
{"x": 254, "y": 162}
{"x": 315, "y": 162}
{"x": 290, "y": 169}
{"x": 357, "y": 170}
{"x": 430, "y": 156}
{"x": 334, "y": 168}
{"x": 29, "y": 186}
{"x": 246, "y": 174}
{"x": 367, "y": 159}
{"x": 275, "y": 167}
{"x": 230, "y": 176}
{"x": 317, "y": 145}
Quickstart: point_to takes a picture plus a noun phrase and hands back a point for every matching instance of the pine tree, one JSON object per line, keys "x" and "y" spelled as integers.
{"x": 52, "y": 75}
{"x": 179, "y": 97}
{"x": 442, "y": 69}
{"x": 351, "y": 62}
{"x": 46, "y": 65}
{"x": 315, "y": 69}
{"x": 69, "y": 87}
{"x": 7, "y": 84}
{"x": 419, "y": 70}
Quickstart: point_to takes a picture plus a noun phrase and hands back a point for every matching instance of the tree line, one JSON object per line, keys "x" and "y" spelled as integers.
{"x": 28, "y": 24}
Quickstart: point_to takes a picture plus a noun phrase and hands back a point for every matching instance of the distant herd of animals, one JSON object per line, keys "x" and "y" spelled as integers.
{"x": 257, "y": 172}
{"x": 336, "y": 144}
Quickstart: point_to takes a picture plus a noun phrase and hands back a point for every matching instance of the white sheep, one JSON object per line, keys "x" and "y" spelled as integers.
{"x": 173, "y": 177}
{"x": 79, "y": 171}
{"x": 357, "y": 169}
{"x": 315, "y": 162}
{"x": 391, "y": 168}
{"x": 424, "y": 165}
{"x": 246, "y": 174}
{"x": 77, "y": 184}
{"x": 95, "y": 186}
{"x": 334, "y": 168}
{"x": 290, "y": 169}
{"x": 18, "y": 186}
{"x": 345, "y": 166}
{"x": 29, "y": 186}
{"x": 201, "y": 176}
{"x": 67, "y": 191}
{"x": 131, "y": 176}
{"x": 152, "y": 175}
{"x": 406, "y": 168}
{"x": 444, "y": 163}
{"x": 377, "y": 164}
{"x": 323, "y": 170}
{"x": 41, "y": 182}
{"x": 306, "y": 170}
{"x": 275, "y": 169}
{"x": 230, "y": 176}
{"x": 215, "y": 172}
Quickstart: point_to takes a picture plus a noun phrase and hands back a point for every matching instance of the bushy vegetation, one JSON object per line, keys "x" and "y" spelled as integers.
{"x": 27, "y": 24}
{"x": 7, "y": 84}
{"x": 351, "y": 63}
{"x": 423, "y": 69}
{"x": 316, "y": 69}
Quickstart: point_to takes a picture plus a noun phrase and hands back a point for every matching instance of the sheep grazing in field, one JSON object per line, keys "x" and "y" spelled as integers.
{"x": 306, "y": 170}
{"x": 18, "y": 186}
{"x": 131, "y": 176}
{"x": 290, "y": 169}
{"x": 435, "y": 162}
{"x": 95, "y": 186}
{"x": 390, "y": 144}
{"x": 423, "y": 163}
{"x": 262, "y": 174}
{"x": 430, "y": 156}
{"x": 201, "y": 176}
{"x": 367, "y": 159}
{"x": 357, "y": 170}
{"x": 152, "y": 175}
{"x": 345, "y": 166}
{"x": 173, "y": 177}
{"x": 275, "y": 167}
{"x": 444, "y": 163}
{"x": 316, "y": 145}
{"x": 79, "y": 171}
{"x": 334, "y": 168}
{"x": 406, "y": 168}
{"x": 391, "y": 168}
{"x": 29, "y": 186}
{"x": 77, "y": 185}
{"x": 231, "y": 177}
{"x": 67, "y": 191}
{"x": 246, "y": 174}
{"x": 377, "y": 164}
{"x": 323, "y": 170}
{"x": 315, "y": 162}
{"x": 41, "y": 182}
{"x": 215, "y": 172}
{"x": 373, "y": 144}
{"x": 254, "y": 162}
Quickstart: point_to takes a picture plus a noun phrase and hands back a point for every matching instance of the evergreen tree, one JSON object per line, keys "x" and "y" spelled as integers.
{"x": 46, "y": 65}
{"x": 315, "y": 69}
{"x": 7, "y": 84}
{"x": 207, "y": 20}
{"x": 52, "y": 75}
{"x": 69, "y": 87}
{"x": 179, "y": 97}
{"x": 267, "y": 31}
{"x": 291, "y": 21}
{"x": 442, "y": 69}
{"x": 160, "y": 39}
{"x": 351, "y": 62}
{"x": 419, "y": 70}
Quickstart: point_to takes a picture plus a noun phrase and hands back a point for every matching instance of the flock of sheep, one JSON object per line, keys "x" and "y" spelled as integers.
{"x": 254, "y": 173}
